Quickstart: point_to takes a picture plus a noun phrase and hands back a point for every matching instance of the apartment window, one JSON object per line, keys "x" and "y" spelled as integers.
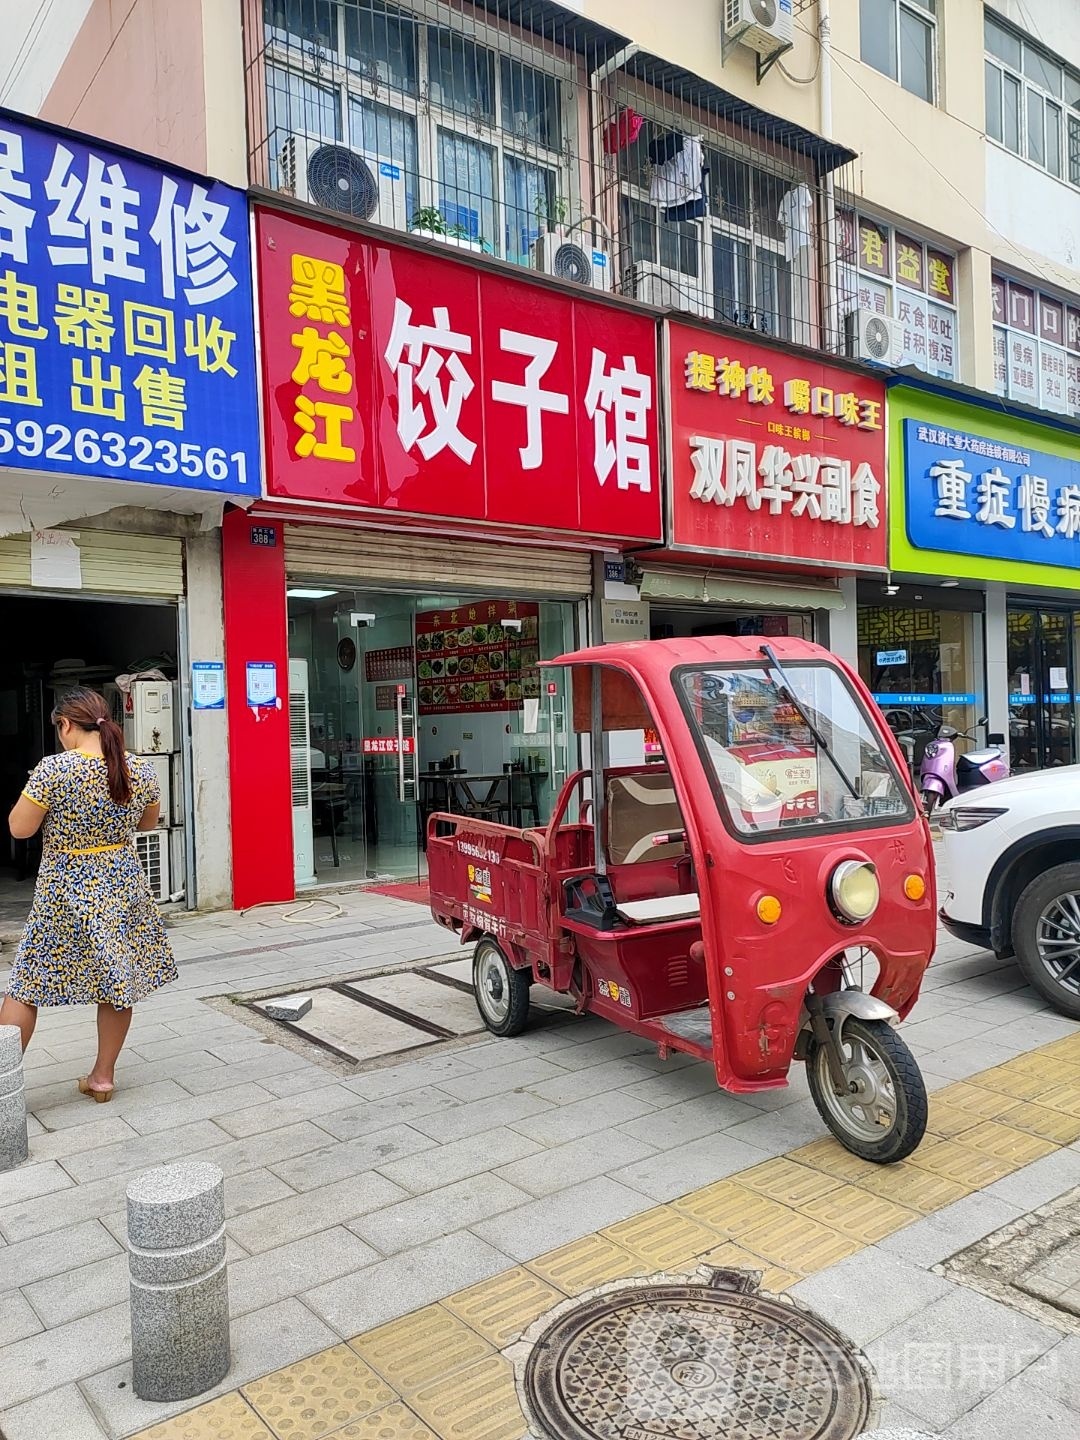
{"x": 1036, "y": 347}
{"x": 730, "y": 259}
{"x": 1032, "y": 102}
{"x": 473, "y": 134}
{"x": 903, "y": 277}
{"x": 899, "y": 38}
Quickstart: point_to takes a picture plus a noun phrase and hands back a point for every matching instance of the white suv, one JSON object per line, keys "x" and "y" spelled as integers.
{"x": 1012, "y": 864}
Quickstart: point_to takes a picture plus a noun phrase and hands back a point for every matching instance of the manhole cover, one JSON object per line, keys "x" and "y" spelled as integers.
{"x": 694, "y": 1362}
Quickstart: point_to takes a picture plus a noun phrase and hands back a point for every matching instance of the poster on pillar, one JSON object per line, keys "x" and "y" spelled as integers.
{"x": 774, "y": 455}
{"x": 401, "y": 380}
{"x": 127, "y": 347}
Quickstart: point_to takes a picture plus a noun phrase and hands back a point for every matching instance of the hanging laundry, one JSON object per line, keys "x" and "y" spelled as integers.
{"x": 623, "y": 131}
{"x": 796, "y": 216}
{"x": 677, "y": 183}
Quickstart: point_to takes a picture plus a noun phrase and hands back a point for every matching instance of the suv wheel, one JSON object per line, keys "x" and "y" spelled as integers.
{"x": 1046, "y": 937}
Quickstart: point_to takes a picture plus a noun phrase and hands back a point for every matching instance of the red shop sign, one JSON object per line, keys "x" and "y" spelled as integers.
{"x": 412, "y": 383}
{"x": 774, "y": 455}
{"x": 388, "y": 745}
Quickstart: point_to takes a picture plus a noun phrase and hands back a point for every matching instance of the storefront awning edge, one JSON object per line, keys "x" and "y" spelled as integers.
{"x": 702, "y": 587}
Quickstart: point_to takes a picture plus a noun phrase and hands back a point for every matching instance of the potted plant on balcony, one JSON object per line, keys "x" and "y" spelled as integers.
{"x": 431, "y": 223}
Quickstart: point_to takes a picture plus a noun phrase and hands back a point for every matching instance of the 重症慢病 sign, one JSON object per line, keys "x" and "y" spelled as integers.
{"x": 126, "y": 327}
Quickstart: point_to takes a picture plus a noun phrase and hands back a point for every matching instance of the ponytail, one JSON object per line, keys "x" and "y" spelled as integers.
{"x": 86, "y": 710}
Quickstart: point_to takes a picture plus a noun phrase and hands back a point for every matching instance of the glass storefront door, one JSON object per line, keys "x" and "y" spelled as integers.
{"x": 404, "y": 705}
{"x": 1042, "y": 669}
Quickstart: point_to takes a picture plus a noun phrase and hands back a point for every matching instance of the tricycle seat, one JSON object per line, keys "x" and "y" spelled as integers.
{"x": 658, "y": 909}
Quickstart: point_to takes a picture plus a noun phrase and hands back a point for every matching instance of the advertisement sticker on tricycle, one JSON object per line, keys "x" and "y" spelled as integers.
{"x": 757, "y": 891}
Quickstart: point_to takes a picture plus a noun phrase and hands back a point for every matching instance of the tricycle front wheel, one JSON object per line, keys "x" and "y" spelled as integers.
{"x": 502, "y": 993}
{"x": 881, "y": 1115}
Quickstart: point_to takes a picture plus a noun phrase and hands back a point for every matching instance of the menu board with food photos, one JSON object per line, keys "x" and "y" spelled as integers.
{"x": 467, "y": 659}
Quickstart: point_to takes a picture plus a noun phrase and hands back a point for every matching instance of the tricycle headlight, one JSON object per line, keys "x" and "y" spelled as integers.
{"x": 968, "y": 817}
{"x": 854, "y": 890}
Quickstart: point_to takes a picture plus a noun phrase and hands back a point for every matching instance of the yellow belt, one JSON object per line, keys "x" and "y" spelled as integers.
{"x": 93, "y": 850}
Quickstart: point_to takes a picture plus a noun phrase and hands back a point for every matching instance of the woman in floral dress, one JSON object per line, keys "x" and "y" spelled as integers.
{"x": 94, "y": 936}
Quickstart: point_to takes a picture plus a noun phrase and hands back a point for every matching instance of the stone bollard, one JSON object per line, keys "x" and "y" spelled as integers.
{"x": 14, "y": 1146}
{"x": 179, "y": 1286}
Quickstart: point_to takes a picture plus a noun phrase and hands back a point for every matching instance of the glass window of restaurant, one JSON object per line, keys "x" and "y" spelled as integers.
{"x": 923, "y": 660}
{"x": 402, "y": 705}
{"x": 1044, "y": 662}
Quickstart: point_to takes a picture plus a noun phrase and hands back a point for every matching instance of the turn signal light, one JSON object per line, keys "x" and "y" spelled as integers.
{"x": 914, "y": 887}
{"x": 769, "y": 909}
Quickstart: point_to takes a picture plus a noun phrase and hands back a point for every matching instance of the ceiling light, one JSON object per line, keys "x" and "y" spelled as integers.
{"x": 310, "y": 594}
{"x": 949, "y": 584}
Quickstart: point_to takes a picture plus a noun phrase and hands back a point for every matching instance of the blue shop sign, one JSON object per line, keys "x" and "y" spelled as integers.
{"x": 886, "y": 700}
{"x": 127, "y": 345}
{"x": 970, "y": 495}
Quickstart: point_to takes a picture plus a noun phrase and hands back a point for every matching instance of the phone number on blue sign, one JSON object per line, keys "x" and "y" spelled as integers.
{"x": 135, "y": 452}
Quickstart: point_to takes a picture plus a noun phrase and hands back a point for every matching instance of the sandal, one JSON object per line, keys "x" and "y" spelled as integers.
{"x": 101, "y": 1096}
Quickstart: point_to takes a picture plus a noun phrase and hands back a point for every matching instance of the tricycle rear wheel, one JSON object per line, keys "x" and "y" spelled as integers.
{"x": 882, "y": 1116}
{"x": 502, "y": 993}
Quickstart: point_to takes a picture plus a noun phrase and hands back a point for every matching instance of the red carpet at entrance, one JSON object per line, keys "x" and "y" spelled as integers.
{"x": 416, "y": 891}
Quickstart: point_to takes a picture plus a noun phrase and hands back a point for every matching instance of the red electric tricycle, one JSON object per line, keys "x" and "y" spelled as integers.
{"x": 760, "y": 891}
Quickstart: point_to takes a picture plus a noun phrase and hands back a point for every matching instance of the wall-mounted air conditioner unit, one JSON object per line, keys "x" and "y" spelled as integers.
{"x": 664, "y": 288}
{"x": 874, "y": 338}
{"x": 300, "y": 771}
{"x": 152, "y": 848}
{"x": 569, "y": 256}
{"x": 764, "y": 25}
{"x": 149, "y": 718}
{"x": 367, "y": 187}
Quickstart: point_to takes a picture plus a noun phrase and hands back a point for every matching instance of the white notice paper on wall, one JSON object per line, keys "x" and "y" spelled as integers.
{"x": 530, "y": 716}
{"x": 55, "y": 561}
{"x": 1059, "y": 678}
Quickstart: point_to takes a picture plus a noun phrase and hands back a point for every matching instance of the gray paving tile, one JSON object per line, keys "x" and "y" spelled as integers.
{"x": 426, "y": 1217}
{"x": 1041, "y": 1181}
{"x": 276, "y": 1113}
{"x": 371, "y": 1115}
{"x": 935, "y": 1237}
{"x": 62, "y": 1209}
{"x": 578, "y": 1160}
{"x": 82, "y": 1291}
{"x": 275, "y": 1060}
{"x": 1018, "y": 1408}
{"x": 142, "y": 1152}
{"x": 60, "y": 1144}
{"x": 616, "y": 1045}
{"x": 43, "y": 1362}
{"x": 678, "y": 1124}
{"x": 555, "y": 1220}
{"x": 350, "y": 1157}
{"x": 300, "y": 1215}
{"x": 82, "y": 1111}
{"x": 152, "y": 1119}
{"x": 570, "y": 1122}
{"x": 274, "y": 1275}
{"x": 458, "y": 1159}
{"x": 28, "y": 1182}
{"x": 671, "y": 1173}
{"x": 594, "y": 1080}
{"x": 61, "y": 1413}
{"x": 935, "y": 1034}
{"x": 1055, "y": 1373}
{"x": 236, "y": 1156}
{"x": 671, "y": 1087}
{"x": 405, "y": 1282}
{"x": 25, "y": 1261}
{"x": 17, "y": 1320}
{"x": 944, "y": 1361}
{"x": 960, "y": 1062}
{"x": 870, "y": 1293}
{"x": 502, "y": 1079}
{"x": 780, "y": 1130}
{"x": 479, "y": 1116}
{"x": 411, "y": 1074}
{"x": 262, "y": 1341}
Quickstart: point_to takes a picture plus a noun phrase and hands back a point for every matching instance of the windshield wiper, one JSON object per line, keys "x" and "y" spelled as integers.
{"x": 786, "y": 691}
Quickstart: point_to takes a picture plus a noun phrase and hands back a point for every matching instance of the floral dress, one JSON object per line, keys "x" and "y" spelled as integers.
{"x": 94, "y": 936}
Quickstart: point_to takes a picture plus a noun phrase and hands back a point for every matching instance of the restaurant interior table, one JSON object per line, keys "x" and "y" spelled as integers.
{"x": 510, "y": 797}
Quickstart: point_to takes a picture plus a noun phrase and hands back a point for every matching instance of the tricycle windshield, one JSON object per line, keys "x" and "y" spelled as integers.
{"x": 782, "y": 758}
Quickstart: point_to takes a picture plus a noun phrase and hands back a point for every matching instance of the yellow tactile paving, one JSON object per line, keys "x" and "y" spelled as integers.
{"x": 585, "y": 1264}
{"x": 798, "y": 1243}
{"x": 420, "y": 1348}
{"x": 1068, "y": 1048}
{"x": 728, "y": 1208}
{"x": 981, "y": 1103}
{"x": 663, "y": 1238}
{"x": 317, "y": 1396}
{"x": 832, "y": 1159}
{"x": 1064, "y": 1097}
{"x": 396, "y": 1422}
{"x": 476, "y": 1404}
{"x": 1006, "y": 1142}
{"x": 1056, "y": 1125}
{"x": 858, "y": 1214}
{"x": 964, "y": 1165}
{"x": 784, "y": 1180}
{"x": 903, "y": 1184}
{"x": 1010, "y": 1081}
{"x": 502, "y": 1308}
{"x": 227, "y": 1418}
{"x": 730, "y": 1256}
{"x": 1052, "y": 1068}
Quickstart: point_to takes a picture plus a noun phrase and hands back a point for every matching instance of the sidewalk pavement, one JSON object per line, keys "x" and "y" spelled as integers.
{"x": 429, "y": 1210}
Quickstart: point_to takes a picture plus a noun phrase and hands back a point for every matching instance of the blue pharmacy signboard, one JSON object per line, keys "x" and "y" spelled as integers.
{"x": 970, "y": 495}
{"x": 126, "y": 322}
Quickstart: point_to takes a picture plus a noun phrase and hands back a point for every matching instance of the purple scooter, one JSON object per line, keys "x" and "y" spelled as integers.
{"x": 943, "y": 775}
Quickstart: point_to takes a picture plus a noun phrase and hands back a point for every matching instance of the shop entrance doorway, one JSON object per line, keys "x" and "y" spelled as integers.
{"x": 1042, "y": 687}
{"x": 49, "y": 644}
{"x": 683, "y": 623}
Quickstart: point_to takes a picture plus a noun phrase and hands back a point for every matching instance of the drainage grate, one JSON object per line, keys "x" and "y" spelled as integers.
{"x": 693, "y": 1362}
